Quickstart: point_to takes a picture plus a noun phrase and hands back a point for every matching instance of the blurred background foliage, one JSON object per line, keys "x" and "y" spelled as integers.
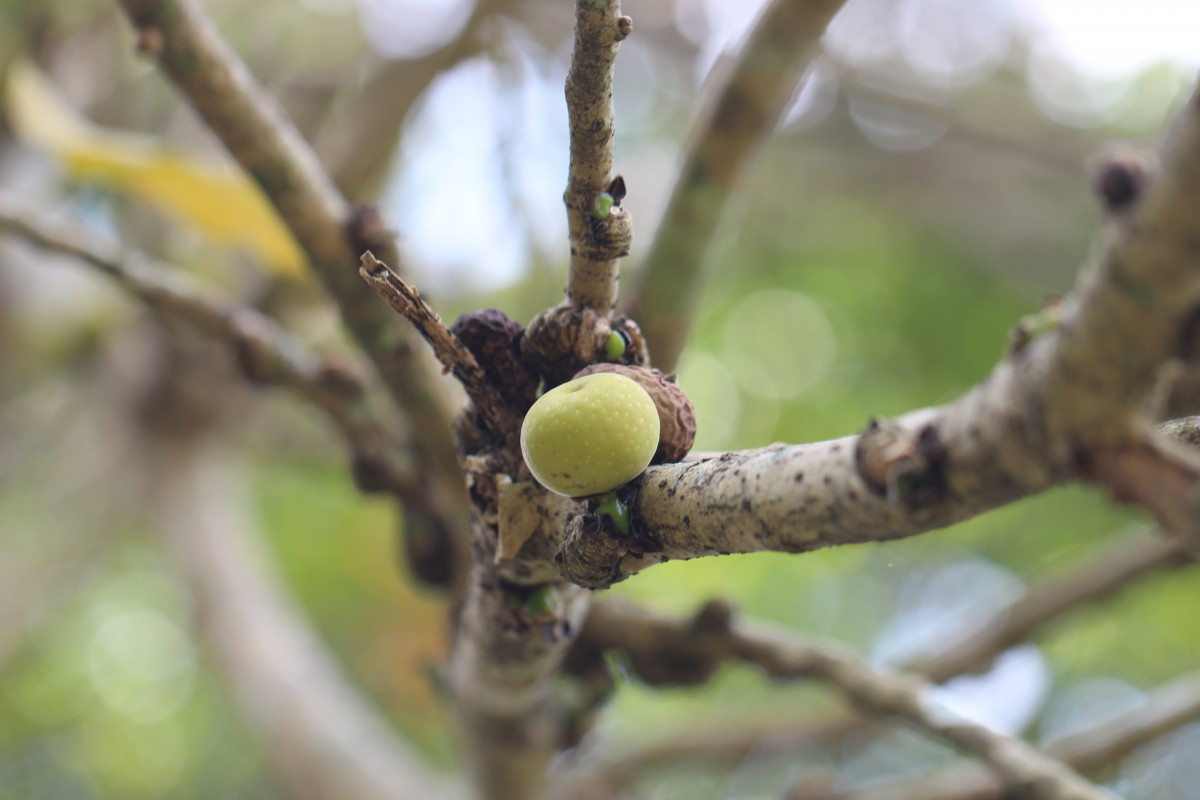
{"x": 928, "y": 187}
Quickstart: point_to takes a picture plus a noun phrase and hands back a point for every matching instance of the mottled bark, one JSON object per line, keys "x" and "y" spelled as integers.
{"x": 600, "y": 235}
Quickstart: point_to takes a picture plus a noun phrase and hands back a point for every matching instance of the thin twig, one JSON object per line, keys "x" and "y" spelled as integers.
{"x": 744, "y": 112}
{"x": 599, "y": 235}
{"x": 1102, "y": 576}
{"x": 875, "y": 690}
{"x": 1091, "y": 750}
{"x": 453, "y": 355}
{"x": 613, "y": 626}
{"x": 348, "y": 395}
{"x": 1022, "y": 768}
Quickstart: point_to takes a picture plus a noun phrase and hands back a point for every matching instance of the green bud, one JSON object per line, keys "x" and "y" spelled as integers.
{"x": 612, "y": 507}
{"x": 602, "y": 205}
{"x": 540, "y": 602}
{"x": 614, "y": 346}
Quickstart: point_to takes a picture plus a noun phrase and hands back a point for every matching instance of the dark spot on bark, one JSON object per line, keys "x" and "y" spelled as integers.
{"x": 663, "y": 483}
{"x": 827, "y": 480}
{"x": 687, "y": 521}
{"x": 836, "y": 448}
{"x": 922, "y": 481}
{"x": 799, "y": 477}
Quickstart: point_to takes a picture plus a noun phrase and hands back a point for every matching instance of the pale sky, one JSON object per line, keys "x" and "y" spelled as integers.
{"x": 1080, "y": 50}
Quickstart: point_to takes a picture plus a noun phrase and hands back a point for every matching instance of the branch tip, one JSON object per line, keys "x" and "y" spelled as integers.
{"x": 1121, "y": 174}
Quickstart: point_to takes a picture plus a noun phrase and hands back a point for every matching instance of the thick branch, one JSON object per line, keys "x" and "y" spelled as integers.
{"x": 745, "y": 111}
{"x": 265, "y": 143}
{"x": 348, "y": 395}
{"x": 1066, "y": 404}
{"x": 599, "y": 234}
{"x": 504, "y": 675}
{"x": 320, "y": 738}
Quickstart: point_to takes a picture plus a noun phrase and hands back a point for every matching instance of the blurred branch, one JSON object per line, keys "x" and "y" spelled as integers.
{"x": 265, "y": 143}
{"x": 348, "y": 395}
{"x": 29, "y": 591}
{"x": 321, "y": 739}
{"x": 1063, "y": 154}
{"x": 715, "y": 633}
{"x": 1102, "y": 576}
{"x": 614, "y": 626}
{"x": 1067, "y": 403}
{"x": 723, "y": 142}
{"x": 1094, "y": 749}
{"x": 599, "y": 229}
{"x": 360, "y": 141}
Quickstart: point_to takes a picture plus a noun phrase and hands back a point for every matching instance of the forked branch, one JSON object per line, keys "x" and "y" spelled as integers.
{"x": 1069, "y": 403}
{"x": 261, "y": 138}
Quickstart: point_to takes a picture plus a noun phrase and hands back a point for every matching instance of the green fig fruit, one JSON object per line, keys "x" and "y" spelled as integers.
{"x": 590, "y": 435}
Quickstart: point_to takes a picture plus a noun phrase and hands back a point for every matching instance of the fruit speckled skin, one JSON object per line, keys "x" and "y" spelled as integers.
{"x": 590, "y": 435}
{"x": 676, "y": 414}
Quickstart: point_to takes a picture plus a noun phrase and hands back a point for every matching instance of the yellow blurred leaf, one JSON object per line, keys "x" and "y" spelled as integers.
{"x": 211, "y": 196}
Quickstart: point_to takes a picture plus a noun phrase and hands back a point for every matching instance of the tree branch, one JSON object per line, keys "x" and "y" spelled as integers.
{"x": 722, "y": 144}
{"x": 265, "y": 143}
{"x": 319, "y": 736}
{"x": 876, "y": 691}
{"x": 1067, "y": 403}
{"x": 1094, "y": 749}
{"x": 600, "y": 233}
{"x": 615, "y": 626}
{"x": 1102, "y": 576}
{"x": 349, "y": 395}
{"x": 450, "y": 352}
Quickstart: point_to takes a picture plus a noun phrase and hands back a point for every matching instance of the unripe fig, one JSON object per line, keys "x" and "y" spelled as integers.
{"x": 590, "y": 435}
